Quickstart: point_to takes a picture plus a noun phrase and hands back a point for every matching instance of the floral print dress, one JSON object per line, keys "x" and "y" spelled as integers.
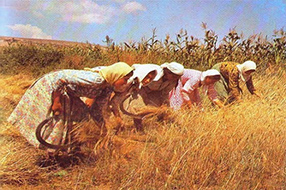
{"x": 35, "y": 105}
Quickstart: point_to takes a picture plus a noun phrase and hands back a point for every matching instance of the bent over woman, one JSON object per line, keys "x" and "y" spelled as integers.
{"x": 42, "y": 97}
{"x": 228, "y": 88}
{"x": 187, "y": 90}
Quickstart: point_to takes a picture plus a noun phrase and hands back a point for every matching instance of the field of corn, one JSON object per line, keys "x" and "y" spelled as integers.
{"x": 242, "y": 146}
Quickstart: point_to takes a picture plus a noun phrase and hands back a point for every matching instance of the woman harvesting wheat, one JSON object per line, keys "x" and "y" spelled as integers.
{"x": 228, "y": 87}
{"x": 43, "y": 98}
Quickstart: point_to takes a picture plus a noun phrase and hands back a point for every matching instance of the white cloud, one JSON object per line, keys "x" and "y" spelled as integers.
{"x": 133, "y": 7}
{"x": 29, "y": 31}
{"x": 85, "y": 11}
{"x": 17, "y": 5}
{"x": 38, "y": 14}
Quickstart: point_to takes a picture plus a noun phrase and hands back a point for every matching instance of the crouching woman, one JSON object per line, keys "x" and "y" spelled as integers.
{"x": 187, "y": 91}
{"x": 43, "y": 98}
{"x": 233, "y": 74}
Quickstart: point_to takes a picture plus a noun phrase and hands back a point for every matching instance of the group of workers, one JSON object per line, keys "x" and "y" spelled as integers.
{"x": 103, "y": 88}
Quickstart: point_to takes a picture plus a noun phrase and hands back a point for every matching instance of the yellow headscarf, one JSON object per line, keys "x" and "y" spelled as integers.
{"x": 115, "y": 71}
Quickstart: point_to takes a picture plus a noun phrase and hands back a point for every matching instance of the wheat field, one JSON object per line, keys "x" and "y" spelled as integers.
{"x": 241, "y": 146}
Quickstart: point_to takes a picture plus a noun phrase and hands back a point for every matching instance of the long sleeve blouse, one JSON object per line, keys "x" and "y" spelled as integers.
{"x": 188, "y": 89}
{"x": 231, "y": 75}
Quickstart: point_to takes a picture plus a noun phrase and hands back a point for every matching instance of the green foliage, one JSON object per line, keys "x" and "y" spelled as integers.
{"x": 188, "y": 50}
{"x": 195, "y": 53}
{"x": 18, "y": 56}
{"x": 42, "y": 58}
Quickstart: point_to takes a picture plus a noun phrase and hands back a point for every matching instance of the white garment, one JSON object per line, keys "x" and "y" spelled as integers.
{"x": 209, "y": 73}
{"x": 174, "y": 67}
{"x": 142, "y": 70}
{"x": 246, "y": 66}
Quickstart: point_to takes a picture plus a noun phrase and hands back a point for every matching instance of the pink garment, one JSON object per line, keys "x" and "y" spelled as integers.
{"x": 189, "y": 83}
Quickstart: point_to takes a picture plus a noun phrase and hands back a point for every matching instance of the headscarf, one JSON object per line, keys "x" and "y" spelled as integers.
{"x": 94, "y": 69}
{"x": 246, "y": 66}
{"x": 115, "y": 71}
{"x": 174, "y": 67}
{"x": 142, "y": 70}
{"x": 209, "y": 73}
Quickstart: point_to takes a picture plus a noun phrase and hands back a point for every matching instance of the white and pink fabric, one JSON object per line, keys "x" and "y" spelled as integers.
{"x": 188, "y": 88}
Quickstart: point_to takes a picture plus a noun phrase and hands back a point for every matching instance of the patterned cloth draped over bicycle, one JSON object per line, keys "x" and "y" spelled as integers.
{"x": 35, "y": 105}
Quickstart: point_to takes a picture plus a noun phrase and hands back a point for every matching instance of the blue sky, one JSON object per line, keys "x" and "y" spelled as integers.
{"x": 126, "y": 21}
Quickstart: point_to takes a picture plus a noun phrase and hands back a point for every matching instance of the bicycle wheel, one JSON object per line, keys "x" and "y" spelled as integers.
{"x": 45, "y": 128}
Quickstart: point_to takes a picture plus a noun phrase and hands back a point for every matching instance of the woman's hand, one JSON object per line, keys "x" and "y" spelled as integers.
{"x": 89, "y": 102}
{"x": 218, "y": 103}
{"x": 119, "y": 121}
{"x": 189, "y": 104}
{"x": 57, "y": 106}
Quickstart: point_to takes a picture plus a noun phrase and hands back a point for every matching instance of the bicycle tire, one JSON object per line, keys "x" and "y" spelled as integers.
{"x": 43, "y": 141}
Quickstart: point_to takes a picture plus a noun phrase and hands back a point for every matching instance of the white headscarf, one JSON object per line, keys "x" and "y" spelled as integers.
{"x": 209, "y": 73}
{"x": 174, "y": 67}
{"x": 246, "y": 66}
{"x": 142, "y": 70}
